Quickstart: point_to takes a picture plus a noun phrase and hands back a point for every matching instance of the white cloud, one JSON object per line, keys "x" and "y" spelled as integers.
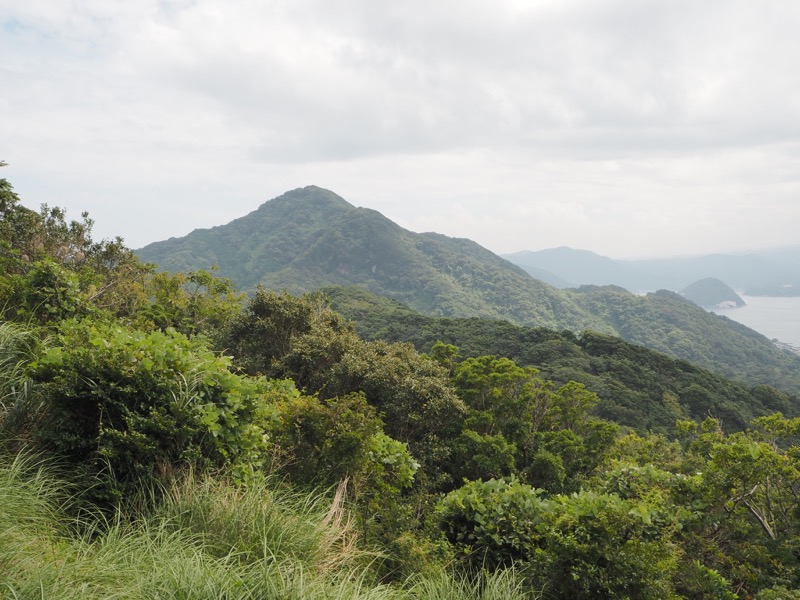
{"x": 621, "y": 126}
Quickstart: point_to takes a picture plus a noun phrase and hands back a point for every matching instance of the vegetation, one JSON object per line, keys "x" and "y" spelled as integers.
{"x": 164, "y": 439}
{"x": 666, "y": 322}
{"x": 309, "y": 238}
{"x": 637, "y": 387}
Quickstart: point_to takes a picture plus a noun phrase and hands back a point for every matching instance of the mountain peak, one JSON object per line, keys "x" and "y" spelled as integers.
{"x": 310, "y": 194}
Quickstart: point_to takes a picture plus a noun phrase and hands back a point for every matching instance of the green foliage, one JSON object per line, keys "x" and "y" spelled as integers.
{"x": 482, "y": 456}
{"x": 126, "y": 405}
{"x": 586, "y": 545}
{"x": 303, "y": 339}
{"x": 411, "y": 392}
{"x": 193, "y": 303}
{"x": 206, "y": 538}
{"x": 518, "y": 423}
{"x": 637, "y": 387}
{"x": 321, "y": 443}
{"x": 47, "y": 292}
{"x": 390, "y": 463}
{"x": 273, "y": 323}
{"x": 695, "y": 580}
{"x": 52, "y": 269}
{"x": 19, "y": 347}
{"x": 493, "y": 523}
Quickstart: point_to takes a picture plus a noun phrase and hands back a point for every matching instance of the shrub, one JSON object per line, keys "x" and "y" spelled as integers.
{"x": 126, "y": 406}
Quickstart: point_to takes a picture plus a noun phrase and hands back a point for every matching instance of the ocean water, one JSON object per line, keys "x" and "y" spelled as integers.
{"x": 776, "y": 318}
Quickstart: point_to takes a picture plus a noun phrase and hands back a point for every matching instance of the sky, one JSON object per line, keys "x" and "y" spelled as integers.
{"x": 632, "y": 128}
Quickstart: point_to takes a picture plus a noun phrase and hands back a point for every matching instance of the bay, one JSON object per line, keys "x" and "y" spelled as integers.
{"x": 775, "y": 317}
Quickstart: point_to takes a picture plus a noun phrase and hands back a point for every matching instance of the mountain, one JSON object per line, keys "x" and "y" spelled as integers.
{"x": 309, "y": 238}
{"x": 582, "y": 267}
{"x": 712, "y": 293}
{"x": 773, "y": 272}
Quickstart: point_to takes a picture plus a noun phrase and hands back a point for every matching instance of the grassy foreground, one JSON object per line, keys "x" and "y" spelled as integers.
{"x": 204, "y": 539}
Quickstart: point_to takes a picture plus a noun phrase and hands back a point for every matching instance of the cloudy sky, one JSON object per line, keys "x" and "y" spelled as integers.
{"x": 628, "y": 127}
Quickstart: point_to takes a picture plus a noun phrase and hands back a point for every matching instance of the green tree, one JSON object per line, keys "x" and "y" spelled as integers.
{"x": 304, "y": 340}
{"x": 191, "y": 303}
{"x": 585, "y": 545}
{"x": 50, "y": 268}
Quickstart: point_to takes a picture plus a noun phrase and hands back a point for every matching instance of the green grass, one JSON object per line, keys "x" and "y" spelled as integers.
{"x": 205, "y": 539}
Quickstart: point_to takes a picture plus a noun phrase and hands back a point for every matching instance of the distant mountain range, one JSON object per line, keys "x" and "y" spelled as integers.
{"x": 310, "y": 238}
{"x": 766, "y": 273}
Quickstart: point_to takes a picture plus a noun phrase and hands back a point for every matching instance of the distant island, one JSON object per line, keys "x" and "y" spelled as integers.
{"x": 710, "y": 292}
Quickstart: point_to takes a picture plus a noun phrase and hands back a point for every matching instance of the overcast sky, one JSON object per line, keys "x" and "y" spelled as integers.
{"x": 627, "y": 127}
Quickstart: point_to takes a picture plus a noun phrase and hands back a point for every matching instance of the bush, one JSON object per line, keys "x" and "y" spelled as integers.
{"x": 585, "y": 545}
{"x": 128, "y": 406}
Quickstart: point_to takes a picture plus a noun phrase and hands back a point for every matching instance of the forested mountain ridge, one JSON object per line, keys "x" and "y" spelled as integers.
{"x": 637, "y": 387}
{"x": 667, "y": 322}
{"x": 311, "y": 238}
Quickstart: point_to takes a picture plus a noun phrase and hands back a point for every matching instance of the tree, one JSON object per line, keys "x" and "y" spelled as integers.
{"x": 303, "y": 339}
{"x": 585, "y": 545}
{"x": 51, "y": 269}
{"x": 192, "y": 303}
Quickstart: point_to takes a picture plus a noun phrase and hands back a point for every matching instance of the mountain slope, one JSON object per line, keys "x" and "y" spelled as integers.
{"x": 667, "y": 322}
{"x": 637, "y": 387}
{"x": 310, "y": 237}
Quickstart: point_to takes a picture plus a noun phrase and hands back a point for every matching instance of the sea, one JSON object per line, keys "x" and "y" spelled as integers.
{"x": 776, "y": 318}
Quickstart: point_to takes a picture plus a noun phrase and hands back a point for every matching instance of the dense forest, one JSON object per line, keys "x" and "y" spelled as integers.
{"x": 164, "y": 436}
{"x": 637, "y": 387}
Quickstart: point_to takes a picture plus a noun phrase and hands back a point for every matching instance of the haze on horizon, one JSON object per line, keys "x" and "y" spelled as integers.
{"x": 628, "y": 128}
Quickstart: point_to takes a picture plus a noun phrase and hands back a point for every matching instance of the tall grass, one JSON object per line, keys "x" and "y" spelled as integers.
{"x": 265, "y": 521}
{"x": 206, "y": 539}
{"x": 18, "y": 348}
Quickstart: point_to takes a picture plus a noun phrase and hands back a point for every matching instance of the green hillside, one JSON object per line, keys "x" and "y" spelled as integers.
{"x": 163, "y": 437}
{"x": 667, "y": 322}
{"x": 641, "y": 388}
{"x": 309, "y": 238}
